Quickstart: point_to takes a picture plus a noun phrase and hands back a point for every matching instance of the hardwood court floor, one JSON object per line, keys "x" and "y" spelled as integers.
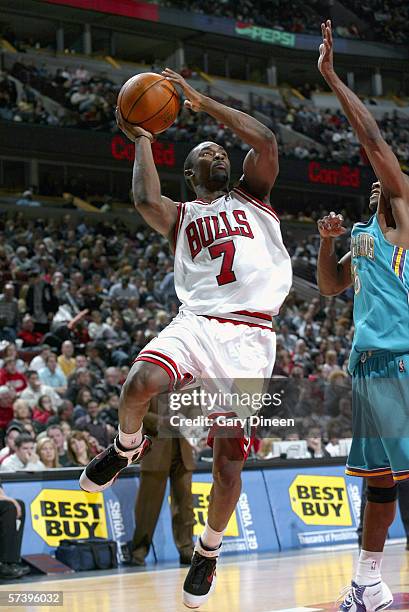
{"x": 308, "y": 582}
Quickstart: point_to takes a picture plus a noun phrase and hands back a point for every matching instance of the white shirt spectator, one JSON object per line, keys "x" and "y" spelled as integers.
{"x": 37, "y": 363}
{"x": 5, "y": 452}
{"x": 333, "y": 449}
{"x": 123, "y": 291}
{"x": 32, "y": 396}
{"x": 82, "y": 74}
{"x": 14, "y": 464}
{"x": 96, "y": 331}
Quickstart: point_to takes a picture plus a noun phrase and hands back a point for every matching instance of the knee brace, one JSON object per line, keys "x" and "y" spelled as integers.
{"x": 380, "y": 495}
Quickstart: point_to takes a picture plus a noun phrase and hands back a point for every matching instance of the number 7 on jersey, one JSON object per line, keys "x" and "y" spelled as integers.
{"x": 227, "y": 250}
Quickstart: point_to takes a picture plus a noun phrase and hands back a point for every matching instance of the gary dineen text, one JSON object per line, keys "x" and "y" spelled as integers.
{"x": 178, "y": 420}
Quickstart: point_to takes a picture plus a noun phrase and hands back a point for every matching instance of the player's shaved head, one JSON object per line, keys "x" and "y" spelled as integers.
{"x": 192, "y": 155}
{"x": 192, "y": 162}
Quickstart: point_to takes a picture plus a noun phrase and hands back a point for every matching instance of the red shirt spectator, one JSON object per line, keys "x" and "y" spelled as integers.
{"x": 6, "y": 406}
{"x": 44, "y": 410}
{"x": 27, "y": 333}
{"x": 11, "y": 377}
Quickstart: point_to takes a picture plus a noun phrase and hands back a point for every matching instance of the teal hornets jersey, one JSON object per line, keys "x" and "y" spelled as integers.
{"x": 380, "y": 273}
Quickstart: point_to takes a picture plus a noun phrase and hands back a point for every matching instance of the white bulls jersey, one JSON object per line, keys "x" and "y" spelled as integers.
{"x": 230, "y": 260}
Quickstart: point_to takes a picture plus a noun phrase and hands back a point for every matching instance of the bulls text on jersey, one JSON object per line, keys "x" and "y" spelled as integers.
{"x": 202, "y": 232}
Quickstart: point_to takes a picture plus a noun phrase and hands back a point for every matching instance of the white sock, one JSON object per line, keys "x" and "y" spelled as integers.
{"x": 130, "y": 441}
{"x": 368, "y": 570}
{"x": 211, "y": 538}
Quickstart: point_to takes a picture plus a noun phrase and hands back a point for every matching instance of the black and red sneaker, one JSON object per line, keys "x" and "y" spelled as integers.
{"x": 101, "y": 472}
{"x": 201, "y": 579}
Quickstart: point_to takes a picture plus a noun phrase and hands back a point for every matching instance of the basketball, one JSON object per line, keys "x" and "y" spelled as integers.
{"x": 149, "y": 101}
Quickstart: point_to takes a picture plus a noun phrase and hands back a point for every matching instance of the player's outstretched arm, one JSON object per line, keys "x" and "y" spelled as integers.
{"x": 381, "y": 156}
{"x": 261, "y": 164}
{"x": 333, "y": 276}
{"x": 158, "y": 211}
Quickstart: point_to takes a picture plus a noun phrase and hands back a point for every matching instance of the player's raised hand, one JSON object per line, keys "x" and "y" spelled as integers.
{"x": 193, "y": 98}
{"x": 331, "y": 226}
{"x": 326, "y": 58}
{"x": 131, "y": 131}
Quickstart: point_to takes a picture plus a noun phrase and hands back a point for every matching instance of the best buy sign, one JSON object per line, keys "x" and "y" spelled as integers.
{"x": 201, "y": 496}
{"x": 57, "y": 514}
{"x": 320, "y": 500}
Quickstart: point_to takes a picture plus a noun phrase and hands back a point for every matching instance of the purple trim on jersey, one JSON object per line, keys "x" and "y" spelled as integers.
{"x": 402, "y": 264}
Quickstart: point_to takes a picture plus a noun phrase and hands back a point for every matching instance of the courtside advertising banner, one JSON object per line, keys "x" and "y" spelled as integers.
{"x": 250, "y": 529}
{"x": 278, "y": 509}
{"x": 317, "y": 506}
{"x": 58, "y": 510}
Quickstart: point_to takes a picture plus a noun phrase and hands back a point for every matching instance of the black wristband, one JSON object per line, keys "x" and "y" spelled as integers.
{"x": 143, "y": 136}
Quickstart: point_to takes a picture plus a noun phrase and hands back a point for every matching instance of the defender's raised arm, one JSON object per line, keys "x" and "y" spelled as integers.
{"x": 381, "y": 156}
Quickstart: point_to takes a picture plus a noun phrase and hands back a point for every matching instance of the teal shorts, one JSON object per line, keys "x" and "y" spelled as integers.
{"x": 380, "y": 412}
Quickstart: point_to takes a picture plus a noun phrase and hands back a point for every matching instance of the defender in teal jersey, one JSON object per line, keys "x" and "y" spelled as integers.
{"x": 377, "y": 267}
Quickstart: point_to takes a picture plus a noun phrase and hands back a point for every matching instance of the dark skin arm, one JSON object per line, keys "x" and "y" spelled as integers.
{"x": 260, "y": 167}
{"x": 159, "y": 212}
{"x": 333, "y": 276}
{"x": 383, "y": 160}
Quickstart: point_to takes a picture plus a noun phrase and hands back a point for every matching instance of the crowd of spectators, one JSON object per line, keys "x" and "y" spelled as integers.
{"x": 380, "y": 20}
{"x": 79, "y": 302}
{"x": 388, "y": 20}
{"x": 385, "y": 20}
{"x": 84, "y": 100}
{"x": 295, "y": 16}
{"x": 337, "y": 140}
{"x": 88, "y": 101}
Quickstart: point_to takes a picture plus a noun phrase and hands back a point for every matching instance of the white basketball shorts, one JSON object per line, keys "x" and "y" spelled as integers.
{"x": 212, "y": 353}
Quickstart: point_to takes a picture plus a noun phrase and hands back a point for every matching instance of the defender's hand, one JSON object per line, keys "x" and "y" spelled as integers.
{"x": 131, "y": 131}
{"x": 193, "y": 98}
{"x": 326, "y": 58}
{"x": 331, "y": 226}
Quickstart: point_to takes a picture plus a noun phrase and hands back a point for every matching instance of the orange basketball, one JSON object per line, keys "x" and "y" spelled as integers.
{"x": 150, "y": 101}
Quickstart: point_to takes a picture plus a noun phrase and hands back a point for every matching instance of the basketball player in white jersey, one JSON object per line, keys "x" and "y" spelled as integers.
{"x": 232, "y": 273}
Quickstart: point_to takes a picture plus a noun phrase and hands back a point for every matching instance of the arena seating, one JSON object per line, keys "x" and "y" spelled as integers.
{"x": 75, "y": 95}
{"x": 83, "y": 265}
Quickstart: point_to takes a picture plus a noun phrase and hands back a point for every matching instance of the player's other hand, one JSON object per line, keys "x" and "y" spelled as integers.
{"x": 326, "y": 58}
{"x": 131, "y": 131}
{"x": 331, "y": 226}
{"x": 193, "y": 98}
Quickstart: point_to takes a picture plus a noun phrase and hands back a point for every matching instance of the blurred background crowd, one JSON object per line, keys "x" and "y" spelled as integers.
{"x": 368, "y": 20}
{"x": 87, "y": 101}
{"x": 78, "y": 303}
